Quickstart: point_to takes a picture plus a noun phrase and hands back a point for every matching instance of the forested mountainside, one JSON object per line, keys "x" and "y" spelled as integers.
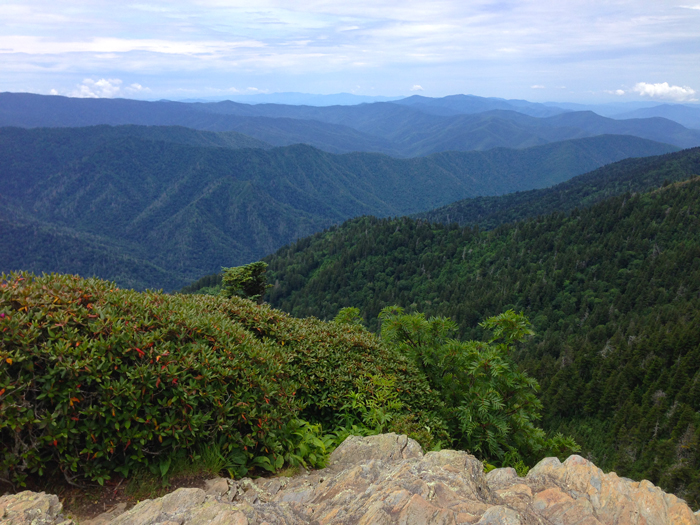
{"x": 632, "y": 175}
{"x": 486, "y": 213}
{"x": 613, "y": 292}
{"x": 401, "y": 130}
{"x": 159, "y": 207}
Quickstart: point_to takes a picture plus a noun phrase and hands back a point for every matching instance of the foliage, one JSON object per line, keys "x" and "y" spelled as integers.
{"x": 613, "y": 293}
{"x": 306, "y": 444}
{"x": 95, "y": 380}
{"x": 490, "y": 405}
{"x": 330, "y": 361}
{"x": 209, "y": 285}
{"x": 374, "y": 407}
{"x": 378, "y": 408}
{"x": 246, "y": 281}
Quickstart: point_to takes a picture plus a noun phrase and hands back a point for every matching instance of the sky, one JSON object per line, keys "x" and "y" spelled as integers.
{"x": 540, "y": 50}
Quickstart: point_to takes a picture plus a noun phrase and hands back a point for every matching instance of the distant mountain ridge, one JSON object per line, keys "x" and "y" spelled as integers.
{"x": 159, "y": 196}
{"x": 686, "y": 115}
{"x": 399, "y": 130}
{"x": 467, "y": 104}
{"x": 308, "y": 99}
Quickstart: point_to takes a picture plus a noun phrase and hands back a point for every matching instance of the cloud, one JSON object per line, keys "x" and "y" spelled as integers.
{"x": 537, "y": 86}
{"x": 666, "y": 92}
{"x": 135, "y": 88}
{"x": 492, "y": 46}
{"x": 618, "y": 92}
{"x": 416, "y": 87}
{"x": 49, "y": 46}
{"x": 103, "y": 88}
{"x": 53, "y": 92}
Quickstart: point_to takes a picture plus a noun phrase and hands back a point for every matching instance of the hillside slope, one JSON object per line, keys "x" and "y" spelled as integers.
{"x": 613, "y": 292}
{"x": 189, "y": 210}
{"x": 629, "y": 175}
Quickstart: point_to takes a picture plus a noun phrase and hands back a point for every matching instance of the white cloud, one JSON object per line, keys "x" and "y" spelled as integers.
{"x": 53, "y": 92}
{"x": 665, "y": 91}
{"x": 103, "y": 88}
{"x": 417, "y": 88}
{"x": 618, "y": 92}
{"x": 537, "y": 86}
{"x": 697, "y": 7}
{"x": 136, "y": 88}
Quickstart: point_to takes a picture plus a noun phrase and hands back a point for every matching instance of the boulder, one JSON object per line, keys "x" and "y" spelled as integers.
{"x": 31, "y": 508}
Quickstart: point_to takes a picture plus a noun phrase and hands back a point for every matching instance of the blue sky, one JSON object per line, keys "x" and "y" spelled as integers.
{"x": 557, "y": 50}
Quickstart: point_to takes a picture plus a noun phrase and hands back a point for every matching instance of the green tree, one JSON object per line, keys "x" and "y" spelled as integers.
{"x": 491, "y": 405}
{"x": 248, "y": 281}
{"x": 349, "y": 315}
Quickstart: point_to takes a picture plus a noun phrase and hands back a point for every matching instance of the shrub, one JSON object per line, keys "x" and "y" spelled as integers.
{"x": 95, "y": 379}
{"x": 331, "y": 360}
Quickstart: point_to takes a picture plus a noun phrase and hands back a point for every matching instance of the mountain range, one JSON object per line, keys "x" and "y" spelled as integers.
{"x": 416, "y": 126}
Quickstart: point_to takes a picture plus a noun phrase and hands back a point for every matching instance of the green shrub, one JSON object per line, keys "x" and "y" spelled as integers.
{"x": 331, "y": 360}
{"x": 95, "y": 379}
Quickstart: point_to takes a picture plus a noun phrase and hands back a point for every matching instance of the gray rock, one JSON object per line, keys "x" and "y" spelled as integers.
{"x": 501, "y": 477}
{"x": 386, "y": 480}
{"x": 31, "y": 508}
{"x": 384, "y": 447}
{"x": 500, "y": 515}
{"x": 176, "y": 506}
{"x": 216, "y": 487}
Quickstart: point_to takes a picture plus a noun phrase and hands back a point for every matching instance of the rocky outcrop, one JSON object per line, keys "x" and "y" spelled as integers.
{"x": 387, "y": 479}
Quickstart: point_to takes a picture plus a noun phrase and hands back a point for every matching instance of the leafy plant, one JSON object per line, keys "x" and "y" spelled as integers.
{"x": 490, "y": 405}
{"x": 96, "y": 380}
{"x": 306, "y": 444}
